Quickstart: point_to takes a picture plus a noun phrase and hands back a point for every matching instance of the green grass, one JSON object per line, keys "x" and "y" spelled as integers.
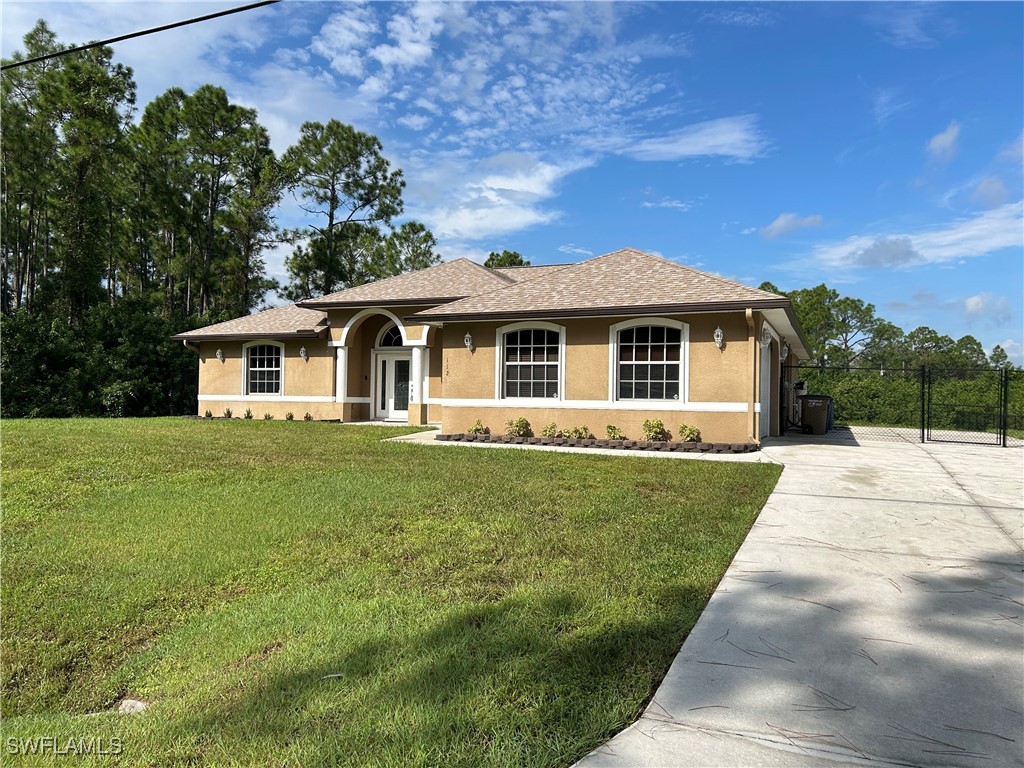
{"x": 303, "y": 594}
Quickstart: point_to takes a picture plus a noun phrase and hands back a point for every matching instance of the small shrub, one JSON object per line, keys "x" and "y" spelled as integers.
{"x": 308, "y": 416}
{"x": 227, "y": 413}
{"x": 518, "y": 428}
{"x": 247, "y": 414}
{"x": 550, "y": 430}
{"x": 614, "y": 433}
{"x": 208, "y": 414}
{"x": 688, "y": 434}
{"x": 478, "y": 429}
{"x": 654, "y": 430}
{"x": 581, "y": 432}
{"x": 289, "y": 416}
{"x": 268, "y": 417}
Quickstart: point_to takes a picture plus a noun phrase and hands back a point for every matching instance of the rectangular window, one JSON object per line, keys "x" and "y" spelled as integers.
{"x": 531, "y": 363}
{"x": 263, "y": 367}
{"x": 649, "y": 363}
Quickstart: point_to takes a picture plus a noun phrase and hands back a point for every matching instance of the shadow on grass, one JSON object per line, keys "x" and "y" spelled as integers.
{"x": 516, "y": 682}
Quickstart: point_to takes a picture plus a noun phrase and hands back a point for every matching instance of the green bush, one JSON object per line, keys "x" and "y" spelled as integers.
{"x": 308, "y": 416}
{"x": 478, "y": 429}
{"x": 614, "y": 433}
{"x": 208, "y": 414}
{"x": 289, "y": 416}
{"x": 581, "y": 432}
{"x": 268, "y": 417}
{"x": 227, "y": 413}
{"x": 248, "y": 414}
{"x": 550, "y": 430}
{"x": 518, "y": 428}
{"x": 688, "y": 434}
{"x": 654, "y": 430}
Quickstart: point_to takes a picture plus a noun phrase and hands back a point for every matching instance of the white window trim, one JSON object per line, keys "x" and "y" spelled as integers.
{"x": 499, "y": 362}
{"x": 245, "y": 369}
{"x": 599, "y": 405}
{"x": 684, "y": 358}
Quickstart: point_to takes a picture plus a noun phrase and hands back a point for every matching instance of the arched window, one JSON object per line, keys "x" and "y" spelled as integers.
{"x": 530, "y": 362}
{"x": 649, "y": 362}
{"x": 391, "y": 337}
{"x": 263, "y": 369}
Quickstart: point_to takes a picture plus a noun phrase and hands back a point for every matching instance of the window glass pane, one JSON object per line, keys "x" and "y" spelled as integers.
{"x": 263, "y": 363}
{"x": 531, "y": 366}
{"x": 661, "y": 348}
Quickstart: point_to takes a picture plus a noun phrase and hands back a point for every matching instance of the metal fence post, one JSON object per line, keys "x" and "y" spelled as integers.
{"x": 923, "y": 403}
{"x": 1004, "y": 403}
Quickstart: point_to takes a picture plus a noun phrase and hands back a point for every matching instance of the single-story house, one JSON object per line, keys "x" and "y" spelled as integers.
{"x": 616, "y": 339}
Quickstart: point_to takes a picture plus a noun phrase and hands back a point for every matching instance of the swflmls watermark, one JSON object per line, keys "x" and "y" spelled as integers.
{"x": 52, "y": 745}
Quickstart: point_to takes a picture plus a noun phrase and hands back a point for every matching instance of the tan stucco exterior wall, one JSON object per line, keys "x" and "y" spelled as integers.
{"x": 715, "y": 376}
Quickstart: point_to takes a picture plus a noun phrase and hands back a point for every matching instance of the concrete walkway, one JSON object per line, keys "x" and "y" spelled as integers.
{"x": 873, "y": 616}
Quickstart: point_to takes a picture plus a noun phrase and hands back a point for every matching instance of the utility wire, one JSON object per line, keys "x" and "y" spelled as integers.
{"x": 165, "y": 27}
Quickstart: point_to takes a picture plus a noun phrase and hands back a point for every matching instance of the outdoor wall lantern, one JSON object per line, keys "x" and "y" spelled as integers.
{"x": 766, "y": 337}
{"x": 785, "y": 352}
{"x": 719, "y": 337}
{"x": 304, "y": 354}
{"x": 219, "y": 354}
{"x": 468, "y": 341}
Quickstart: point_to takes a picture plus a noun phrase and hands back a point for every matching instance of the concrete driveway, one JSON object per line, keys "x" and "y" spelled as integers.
{"x": 873, "y": 616}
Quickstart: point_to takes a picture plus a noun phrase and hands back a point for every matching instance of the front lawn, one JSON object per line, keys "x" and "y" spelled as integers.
{"x": 305, "y": 594}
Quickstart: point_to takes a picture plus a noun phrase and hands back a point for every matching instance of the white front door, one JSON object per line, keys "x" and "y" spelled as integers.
{"x": 394, "y": 373}
{"x": 766, "y": 390}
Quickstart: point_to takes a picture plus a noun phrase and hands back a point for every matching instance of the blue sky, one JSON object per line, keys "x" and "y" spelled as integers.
{"x": 875, "y": 147}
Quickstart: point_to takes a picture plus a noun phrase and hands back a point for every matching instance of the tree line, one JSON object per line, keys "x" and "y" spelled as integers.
{"x": 845, "y": 332}
{"x": 116, "y": 233}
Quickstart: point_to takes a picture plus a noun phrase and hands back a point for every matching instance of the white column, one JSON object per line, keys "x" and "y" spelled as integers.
{"x": 341, "y": 374}
{"x": 416, "y": 380}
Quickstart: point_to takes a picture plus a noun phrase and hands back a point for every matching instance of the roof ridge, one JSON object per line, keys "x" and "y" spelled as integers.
{"x": 672, "y": 262}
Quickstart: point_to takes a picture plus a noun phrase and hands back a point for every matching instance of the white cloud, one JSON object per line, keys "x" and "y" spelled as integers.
{"x": 985, "y": 233}
{"x": 412, "y": 34}
{"x": 736, "y": 138}
{"x": 987, "y": 306}
{"x": 1014, "y": 153}
{"x": 742, "y": 17}
{"x": 942, "y": 146}
{"x": 788, "y": 222}
{"x": 574, "y": 250}
{"x": 991, "y": 191}
{"x": 414, "y": 122}
{"x": 668, "y": 202}
{"x": 886, "y": 104}
{"x": 907, "y": 25}
{"x": 343, "y": 38}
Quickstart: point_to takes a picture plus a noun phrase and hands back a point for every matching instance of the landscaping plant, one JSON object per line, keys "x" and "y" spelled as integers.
{"x": 550, "y": 430}
{"x": 688, "y": 434}
{"x": 478, "y": 429}
{"x": 614, "y": 433}
{"x": 654, "y": 430}
{"x": 518, "y": 428}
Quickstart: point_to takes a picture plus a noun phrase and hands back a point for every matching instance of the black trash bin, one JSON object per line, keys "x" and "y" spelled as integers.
{"x": 816, "y": 413}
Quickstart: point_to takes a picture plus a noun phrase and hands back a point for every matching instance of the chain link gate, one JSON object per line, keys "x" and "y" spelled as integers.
{"x": 983, "y": 406}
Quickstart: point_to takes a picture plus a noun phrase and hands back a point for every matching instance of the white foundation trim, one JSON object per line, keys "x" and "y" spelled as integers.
{"x": 593, "y": 405}
{"x": 268, "y": 399}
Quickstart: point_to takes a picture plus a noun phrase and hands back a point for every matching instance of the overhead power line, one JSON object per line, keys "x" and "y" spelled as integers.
{"x": 165, "y": 27}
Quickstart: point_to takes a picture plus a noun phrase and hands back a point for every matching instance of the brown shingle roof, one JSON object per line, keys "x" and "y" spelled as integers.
{"x": 282, "y": 322}
{"x": 444, "y": 282}
{"x": 522, "y": 274}
{"x": 624, "y": 281}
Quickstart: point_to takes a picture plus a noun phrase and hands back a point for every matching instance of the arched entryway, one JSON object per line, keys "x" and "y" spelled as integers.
{"x": 391, "y": 363}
